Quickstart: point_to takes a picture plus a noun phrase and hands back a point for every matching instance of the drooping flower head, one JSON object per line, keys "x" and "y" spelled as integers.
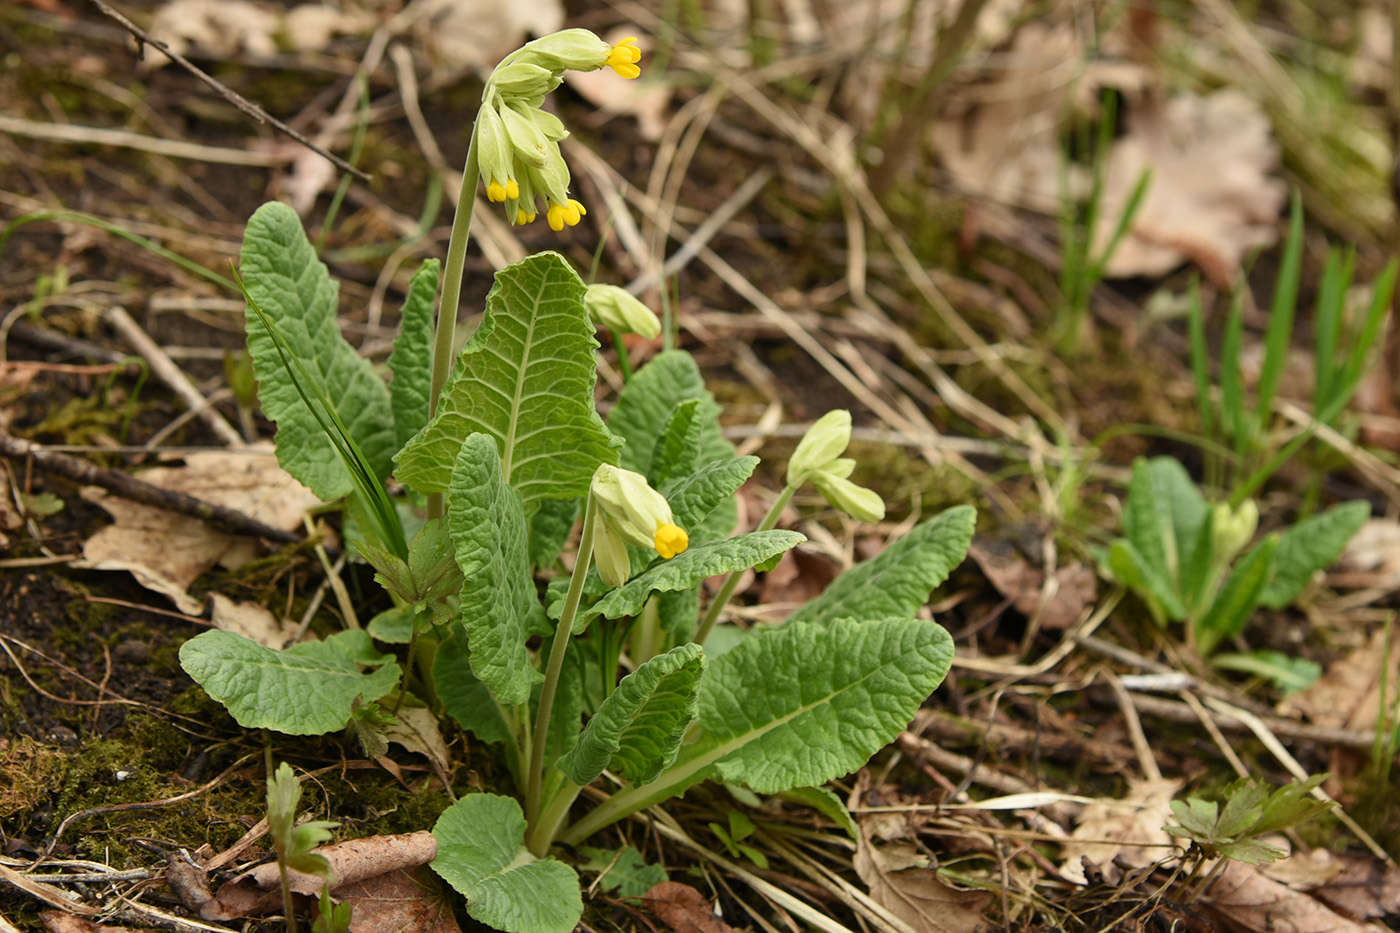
{"x": 517, "y": 142}
{"x": 630, "y": 511}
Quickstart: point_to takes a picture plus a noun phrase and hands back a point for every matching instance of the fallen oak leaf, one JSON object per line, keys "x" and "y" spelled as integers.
{"x": 1247, "y": 900}
{"x": 681, "y": 907}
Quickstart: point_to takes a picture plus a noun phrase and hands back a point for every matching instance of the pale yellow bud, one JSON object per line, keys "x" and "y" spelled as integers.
{"x": 856, "y": 501}
{"x": 824, "y": 441}
{"x": 610, "y": 553}
{"x": 639, "y": 514}
{"x": 1232, "y": 530}
{"x": 615, "y": 308}
{"x": 522, "y": 79}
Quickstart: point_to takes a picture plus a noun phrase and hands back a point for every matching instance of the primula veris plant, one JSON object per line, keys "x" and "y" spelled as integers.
{"x": 605, "y": 678}
{"x": 1179, "y": 554}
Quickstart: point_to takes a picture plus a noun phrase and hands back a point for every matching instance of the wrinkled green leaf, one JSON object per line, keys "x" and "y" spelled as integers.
{"x": 808, "y": 702}
{"x": 466, "y": 699}
{"x": 306, "y": 690}
{"x": 693, "y": 498}
{"x": 412, "y": 359}
{"x": 677, "y": 451}
{"x": 1163, "y": 517}
{"x": 688, "y": 569}
{"x": 549, "y": 529}
{"x": 481, "y": 853}
{"x": 638, "y": 730}
{"x": 292, "y": 286}
{"x": 526, "y": 379}
{"x": 487, "y": 525}
{"x": 898, "y": 581}
{"x": 1238, "y": 598}
{"x": 648, "y": 401}
{"x": 1309, "y": 546}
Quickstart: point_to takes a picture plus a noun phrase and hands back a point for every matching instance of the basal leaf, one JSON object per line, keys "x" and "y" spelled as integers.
{"x": 488, "y": 528}
{"x": 898, "y": 581}
{"x": 686, "y": 570}
{"x": 677, "y": 451}
{"x": 481, "y": 853}
{"x": 638, "y": 730}
{"x": 412, "y": 359}
{"x": 693, "y": 498}
{"x": 808, "y": 702}
{"x": 466, "y": 699}
{"x": 1134, "y": 571}
{"x": 623, "y": 870}
{"x": 306, "y": 690}
{"x": 526, "y": 379}
{"x": 1238, "y": 598}
{"x": 1163, "y": 517}
{"x": 292, "y": 286}
{"x": 648, "y": 401}
{"x": 1308, "y": 547}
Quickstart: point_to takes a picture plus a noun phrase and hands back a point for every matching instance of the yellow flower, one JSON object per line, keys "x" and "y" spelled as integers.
{"x": 670, "y": 540}
{"x": 624, "y": 56}
{"x": 635, "y": 512}
{"x": 568, "y": 213}
{"x": 498, "y": 192}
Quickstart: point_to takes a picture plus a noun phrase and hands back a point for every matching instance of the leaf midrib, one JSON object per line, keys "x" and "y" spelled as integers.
{"x": 508, "y": 454}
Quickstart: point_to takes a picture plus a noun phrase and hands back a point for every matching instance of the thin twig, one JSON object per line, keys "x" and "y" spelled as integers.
{"x": 230, "y": 95}
{"x": 218, "y": 517}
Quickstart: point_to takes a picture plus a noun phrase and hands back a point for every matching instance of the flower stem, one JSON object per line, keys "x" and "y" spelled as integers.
{"x": 563, "y": 634}
{"x": 445, "y": 336}
{"x": 543, "y": 830}
{"x": 726, "y": 591}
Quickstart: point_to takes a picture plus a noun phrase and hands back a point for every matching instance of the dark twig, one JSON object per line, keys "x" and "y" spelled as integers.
{"x": 230, "y": 95}
{"x": 129, "y": 487}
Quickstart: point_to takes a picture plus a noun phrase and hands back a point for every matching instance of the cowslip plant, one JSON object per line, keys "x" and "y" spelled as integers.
{"x": 1189, "y": 562}
{"x": 600, "y": 673}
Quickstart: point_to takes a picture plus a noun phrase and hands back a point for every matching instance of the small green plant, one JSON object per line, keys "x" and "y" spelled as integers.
{"x": 1234, "y": 830}
{"x": 295, "y": 845}
{"x": 1342, "y": 350}
{"x": 1190, "y": 562}
{"x": 506, "y": 445}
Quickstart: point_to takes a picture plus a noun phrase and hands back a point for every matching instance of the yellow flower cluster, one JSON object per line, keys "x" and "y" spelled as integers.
{"x": 517, "y": 141}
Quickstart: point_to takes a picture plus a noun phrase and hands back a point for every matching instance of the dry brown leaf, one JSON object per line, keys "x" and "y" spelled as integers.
{"x": 684, "y": 909}
{"x": 1017, "y": 580}
{"x": 1247, "y": 900}
{"x": 1348, "y": 694}
{"x": 167, "y": 552}
{"x": 402, "y": 901}
{"x": 1357, "y": 886}
{"x": 251, "y": 621}
{"x": 219, "y": 28}
{"x": 1371, "y": 557}
{"x": 799, "y": 576}
{"x": 1128, "y": 831}
{"x": 417, "y": 730}
{"x": 56, "y": 921}
{"x": 459, "y": 34}
{"x": 1213, "y": 195}
{"x": 353, "y": 861}
{"x": 646, "y": 100}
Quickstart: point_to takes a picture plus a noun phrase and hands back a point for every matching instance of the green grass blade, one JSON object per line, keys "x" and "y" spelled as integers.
{"x": 1280, "y": 332}
{"x": 1330, "y": 300}
{"x": 1232, "y": 415}
{"x": 1355, "y": 366}
{"x": 1200, "y": 357}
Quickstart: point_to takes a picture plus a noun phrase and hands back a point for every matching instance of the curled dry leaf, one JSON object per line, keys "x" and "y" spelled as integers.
{"x": 353, "y": 861}
{"x": 1348, "y": 694}
{"x": 681, "y": 907}
{"x": 1076, "y": 586}
{"x": 1128, "y": 831}
{"x": 1213, "y": 195}
{"x": 167, "y": 552}
{"x": 1247, "y": 900}
{"x": 251, "y": 621}
{"x": 402, "y": 901}
{"x": 1357, "y": 886}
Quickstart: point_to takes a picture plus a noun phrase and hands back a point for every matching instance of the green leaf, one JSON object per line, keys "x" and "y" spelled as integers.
{"x": 899, "y": 580}
{"x": 481, "y": 853}
{"x": 565, "y": 722}
{"x": 305, "y": 690}
{"x": 677, "y": 451}
{"x": 1289, "y": 674}
{"x": 1238, "y": 598}
{"x": 488, "y": 527}
{"x": 1309, "y": 546}
{"x": 293, "y": 287}
{"x": 623, "y": 870}
{"x": 1163, "y": 519}
{"x": 1134, "y": 571}
{"x": 646, "y": 405}
{"x": 526, "y": 379}
{"x": 688, "y": 569}
{"x": 466, "y": 699}
{"x": 393, "y": 626}
{"x": 549, "y": 529}
{"x": 808, "y": 702}
{"x": 412, "y": 359}
{"x": 826, "y": 803}
{"x": 693, "y": 498}
{"x": 637, "y": 731}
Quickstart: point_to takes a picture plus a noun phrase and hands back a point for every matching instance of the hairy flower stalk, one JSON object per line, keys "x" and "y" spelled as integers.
{"x": 514, "y": 150}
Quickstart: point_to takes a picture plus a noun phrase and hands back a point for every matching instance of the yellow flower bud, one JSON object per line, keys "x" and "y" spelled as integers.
{"x": 856, "y": 501}
{"x": 616, "y": 308}
{"x": 567, "y": 50}
{"x": 525, "y": 135}
{"x": 1232, "y": 530}
{"x": 636, "y": 512}
{"x": 824, "y": 441}
{"x": 610, "y": 553}
{"x": 522, "y": 79}
{"x": 624, "y": 56}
